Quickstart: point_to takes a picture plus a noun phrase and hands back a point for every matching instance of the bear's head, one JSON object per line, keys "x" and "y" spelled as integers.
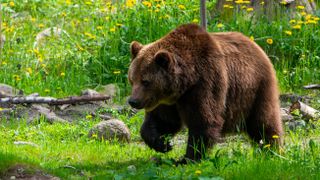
{"x": 153, "y": 74}
{"x": 162, "y": 71}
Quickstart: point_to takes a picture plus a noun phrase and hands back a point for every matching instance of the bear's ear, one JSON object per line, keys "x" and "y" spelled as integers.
{"x": 135, "y": 47}
{"x": 164, "y": 59}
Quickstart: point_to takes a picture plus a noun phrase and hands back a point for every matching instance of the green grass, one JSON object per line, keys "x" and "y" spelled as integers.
{"x": 95, "y": 51}
{"x": 61, "y": 145}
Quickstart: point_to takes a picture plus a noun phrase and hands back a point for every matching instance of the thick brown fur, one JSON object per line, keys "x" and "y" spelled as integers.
{"x": 213, "y": 83}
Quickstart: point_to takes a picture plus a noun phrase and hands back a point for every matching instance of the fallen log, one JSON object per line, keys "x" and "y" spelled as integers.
{"x": 312, "y": 86}
{"x": 307, "y": 111}
{"x": 50, "y": 100}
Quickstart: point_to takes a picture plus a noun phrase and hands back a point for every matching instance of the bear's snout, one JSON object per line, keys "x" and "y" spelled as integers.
{"x": 135, "y": 103}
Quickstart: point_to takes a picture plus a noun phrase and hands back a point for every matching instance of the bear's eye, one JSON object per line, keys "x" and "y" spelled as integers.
{"x": 145, "y": 83}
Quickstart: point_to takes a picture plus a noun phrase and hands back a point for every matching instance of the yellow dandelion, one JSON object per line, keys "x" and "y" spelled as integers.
{"x": 158, "y": 6}
{"x": 33, "y": 19}
{"x": 47, "y": 90}
{"x": 147, "y": 3}
{"x": 270, "y": 41}
{"x": 246, "y": 2}
{"x": 79, "y": 47}
{"x": 68, "y": 2}
{"x": 226, "y": 6}
{"x": 262, "y": 3}
{"x": 130, "y": 3}
{"x": 296, "y": 27}
{"x": 292, "y": 21}
{"x": 251, "y": 38}
{"x": 41, "y": 25}
{"x": 220, "y": 25}
{"x": 182, "y": 7}
{"x": 1, "y": 109}
{"x": 88, "y": 3}
{"x": 10, "y": 29}
{"x": 316, "y": 18}
{"x": 308, "y": 16}
{"x": 11, "y": 3}
{"x": 119, "y": 25}
{"x": 231, "y": 7}
{"x": 16, "y": 77}
{"x": 89, "y": 116}
{"x": 112, "y": 29}
{"x": 116, "y": 72}
{"x": 86, "y": 20}
{"x": 311, "y": 22}
{"x": 267, "y": 146}
{"x": 4, "y": 63}
{"x": 275, "y": 136}
{"x": 195, "y": 20}
{"x": 29, "y": 70}
{"x": 107, "y": 18}
{"x": 249, "y": 9}
{"x": 303, "y": 13}
{"x": 239, "y": 2}
{"x": 197, "y": 172}
{"x": 63, "y": 14}
{"x": 91, "y": 36}
{"x": 300, "y": 7}
{"x": 289, "y": 33}
{"x": 99, "y": 27}
{"x": 62, "y": 74}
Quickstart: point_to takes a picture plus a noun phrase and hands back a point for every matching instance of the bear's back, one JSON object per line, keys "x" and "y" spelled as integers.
{"x": 248, "y": 68}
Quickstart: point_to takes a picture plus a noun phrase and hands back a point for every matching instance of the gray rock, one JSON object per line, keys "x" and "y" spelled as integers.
{"x": 49, "y": 32}
{"x": 2, "y": 40}
{"x": 132, "y": 169}
{"x": 285, "y": 115}
{"x": 293, "y": 125}
{"x": 8, "y": 91}
{"x": 109, "y": 130}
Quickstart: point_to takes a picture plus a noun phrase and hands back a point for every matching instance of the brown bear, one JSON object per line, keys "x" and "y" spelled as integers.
{"x": 213, "y": 83}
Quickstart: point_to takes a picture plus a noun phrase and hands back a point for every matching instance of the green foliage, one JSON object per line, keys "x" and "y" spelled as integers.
{"x": 94, "y": 46}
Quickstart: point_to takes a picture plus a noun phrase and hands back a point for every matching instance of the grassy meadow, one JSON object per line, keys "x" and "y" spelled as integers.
{"x": 92, "y": 49}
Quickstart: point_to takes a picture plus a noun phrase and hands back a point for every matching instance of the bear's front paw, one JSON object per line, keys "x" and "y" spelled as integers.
{"x": 162, "y": 145}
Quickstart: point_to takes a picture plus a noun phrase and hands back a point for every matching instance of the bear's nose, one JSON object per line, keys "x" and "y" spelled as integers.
{"x": 134, "y": 103}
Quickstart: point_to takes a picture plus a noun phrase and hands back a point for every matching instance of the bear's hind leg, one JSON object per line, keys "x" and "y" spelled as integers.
{"x": 264, "y": 122}
{"x": 159, "y": 125}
